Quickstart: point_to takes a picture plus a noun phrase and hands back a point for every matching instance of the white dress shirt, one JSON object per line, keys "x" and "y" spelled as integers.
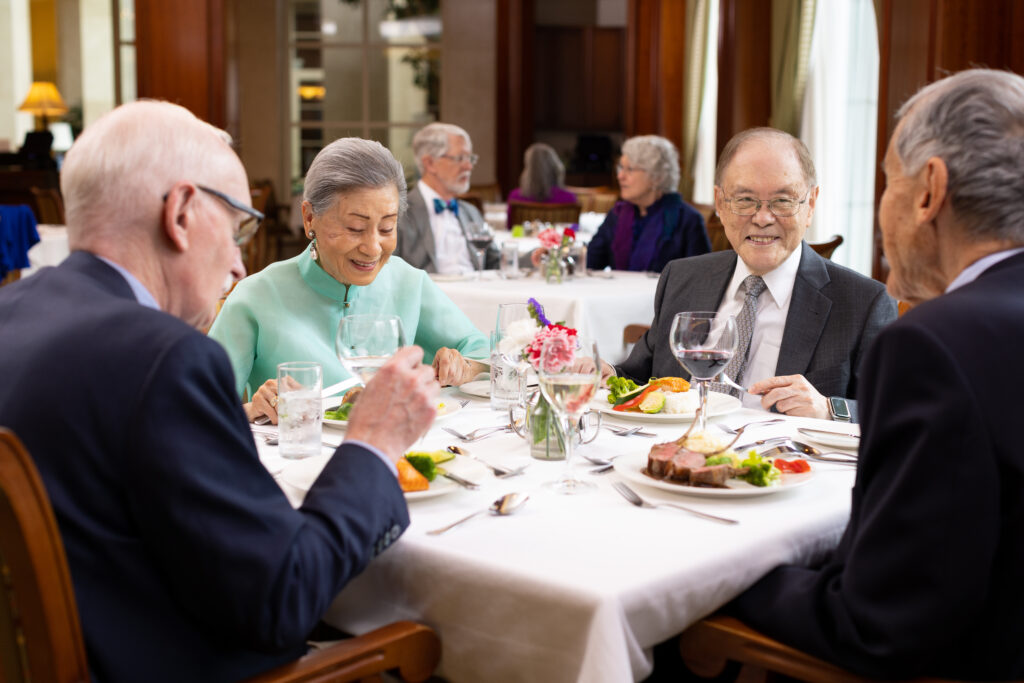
{"x": 772, "y": 309}
{"x": 450, "y": 250}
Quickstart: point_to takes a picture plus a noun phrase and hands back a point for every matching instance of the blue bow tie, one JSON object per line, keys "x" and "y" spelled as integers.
{"x": 452, "y": 205}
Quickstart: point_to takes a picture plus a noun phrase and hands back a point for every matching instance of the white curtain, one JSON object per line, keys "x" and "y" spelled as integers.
{"x": 704, "y": 153}
{"x": 839, "y": 123}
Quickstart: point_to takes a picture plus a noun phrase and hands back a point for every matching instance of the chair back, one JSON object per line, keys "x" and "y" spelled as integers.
{"x": 826, "y": 249}
{"x": 540, "y": 211}
{"x": 716, "y": 233}
{"x": 40, "y": 635}
{"x": 48, "y": 204}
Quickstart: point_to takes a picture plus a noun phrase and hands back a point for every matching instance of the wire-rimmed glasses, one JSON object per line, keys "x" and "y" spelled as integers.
{"x": 781, "y": 207}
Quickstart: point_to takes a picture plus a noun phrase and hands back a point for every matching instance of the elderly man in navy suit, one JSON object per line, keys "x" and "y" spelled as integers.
{"x": 432, "y": 234}
{"x": 811, "y": 320}
{"x": 187, "y": 560}
{"x": 926, "y": 580}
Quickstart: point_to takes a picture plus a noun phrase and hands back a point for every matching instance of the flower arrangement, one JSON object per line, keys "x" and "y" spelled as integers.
{"x": 557, "y": 246}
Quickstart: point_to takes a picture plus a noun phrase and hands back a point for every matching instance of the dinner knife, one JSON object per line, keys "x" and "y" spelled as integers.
{"x": 810, "y": 432}
{"x": 339, "y": 387}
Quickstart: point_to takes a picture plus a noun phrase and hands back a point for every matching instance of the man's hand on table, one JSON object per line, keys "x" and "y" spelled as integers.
{"x": 791, "y": 395}
{"x": 397, "y": 406}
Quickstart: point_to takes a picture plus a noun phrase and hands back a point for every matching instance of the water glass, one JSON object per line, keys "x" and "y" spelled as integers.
{"x": 510, "y": 260}
{"x": 508, "y": 383}
{"x": 299, "y": 409}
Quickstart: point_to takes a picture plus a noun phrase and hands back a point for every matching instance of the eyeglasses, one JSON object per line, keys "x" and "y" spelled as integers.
{"x": 620, "y": 168}
{"x": 782, "y": 207}
{"x": 463, "y": 158}
{"x": 248, "y": 226}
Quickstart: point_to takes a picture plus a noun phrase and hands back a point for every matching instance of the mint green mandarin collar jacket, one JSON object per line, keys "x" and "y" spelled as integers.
{"x": 290, "y": 311}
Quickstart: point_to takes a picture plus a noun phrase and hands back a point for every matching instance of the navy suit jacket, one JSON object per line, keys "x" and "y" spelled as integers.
{"x": 926, "y": 580}
{"x": 834, "y": 315}
{"x": 187, "y": 560}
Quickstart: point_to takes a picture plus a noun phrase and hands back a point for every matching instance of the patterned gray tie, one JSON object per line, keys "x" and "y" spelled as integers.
{"x": 753, "y": 285}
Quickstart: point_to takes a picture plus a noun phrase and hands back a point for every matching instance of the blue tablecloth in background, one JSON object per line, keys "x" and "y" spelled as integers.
{"x": 17, "y": 235}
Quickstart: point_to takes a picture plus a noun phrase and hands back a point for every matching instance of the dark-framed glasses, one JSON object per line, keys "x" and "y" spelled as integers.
{"x": 462, "y": 158}
{"x": 782, "y": 207}
{"x": 249, "y": 225}
{"x": 622, "y": 168}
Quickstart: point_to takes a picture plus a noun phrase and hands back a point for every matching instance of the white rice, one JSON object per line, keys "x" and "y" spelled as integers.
{"x": 677, "y": 403}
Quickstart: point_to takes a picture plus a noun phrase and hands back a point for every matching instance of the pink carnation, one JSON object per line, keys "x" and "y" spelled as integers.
{"x": 549, "y": 238}
{"x": 563, "y": 341}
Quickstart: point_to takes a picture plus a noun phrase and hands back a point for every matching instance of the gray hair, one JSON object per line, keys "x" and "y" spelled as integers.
{"x": 349, "y": 164}
{"x": 974, "y": 122}
{"x": 118, "y": 170}
{"x": 658, "y": 157}
{"x": 542, "y": 172}
{"x": 803, "y": 155}
{"x": 432, "y": 141}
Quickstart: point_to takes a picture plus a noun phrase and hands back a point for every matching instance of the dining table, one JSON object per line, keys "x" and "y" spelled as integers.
{"x": 598, "y": 305}
{"x": 576, "y": 587}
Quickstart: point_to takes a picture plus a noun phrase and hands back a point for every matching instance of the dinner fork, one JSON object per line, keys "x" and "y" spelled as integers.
{"x": 628, "y": 431}
{"x": 477, "y": 434}
{"x": 634, "y": 498}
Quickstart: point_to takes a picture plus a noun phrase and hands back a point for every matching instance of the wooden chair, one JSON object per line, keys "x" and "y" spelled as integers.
{"x": 716, "y": 233}
{"x": 48, "y": 205}
{"x": 708, "y": 646}
{"x": 41, "y": 636}
{"x": 632, "y": 333}
{"x": 539, "y": 211}
{"x": 826, "y": 249}
{"x": 478, "y": 195}
{"x": 597, "y": 199}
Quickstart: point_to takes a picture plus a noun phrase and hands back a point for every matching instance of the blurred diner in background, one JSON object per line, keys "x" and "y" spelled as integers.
{"x": 542, "y": 179}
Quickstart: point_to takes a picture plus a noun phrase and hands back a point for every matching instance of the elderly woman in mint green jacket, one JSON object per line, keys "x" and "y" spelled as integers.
{"x": 354, "y": 193}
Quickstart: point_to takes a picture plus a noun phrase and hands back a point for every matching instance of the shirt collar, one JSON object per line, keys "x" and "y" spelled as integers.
{"x": 971, "y": 272}
{"x": 428, "y": 194}
{"x": 779, "y": 281}
{"x": 139, "y": 290}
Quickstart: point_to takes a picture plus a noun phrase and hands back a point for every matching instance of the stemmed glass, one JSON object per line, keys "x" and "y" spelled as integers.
{"x": 570, "y": 370}
{"x": 703, "y": 342}
{"x": 365, "y": 342}
{"x": 480, "y": 236}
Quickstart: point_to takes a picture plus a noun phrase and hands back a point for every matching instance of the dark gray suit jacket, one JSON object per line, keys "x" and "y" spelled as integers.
{"x": 416, "y": 239}
{"x": 834, "y": 315}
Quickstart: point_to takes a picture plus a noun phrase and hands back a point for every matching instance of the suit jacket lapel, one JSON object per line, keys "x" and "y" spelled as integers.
{"x": 421, "y": 221}
{"x": 808, "y": 313}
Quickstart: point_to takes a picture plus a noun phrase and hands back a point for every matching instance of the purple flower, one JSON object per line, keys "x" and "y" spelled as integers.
{"x": 537, "y": 313}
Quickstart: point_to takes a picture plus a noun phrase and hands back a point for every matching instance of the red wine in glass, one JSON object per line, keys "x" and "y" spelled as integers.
{"x": 702, "y": 364}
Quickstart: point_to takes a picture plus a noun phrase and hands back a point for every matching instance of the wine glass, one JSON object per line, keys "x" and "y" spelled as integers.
{"x": 365, "y": 342}
{"x": 570, "y": 370}
{"x": 703, "y": 342}
{"x": 480, "y": 236}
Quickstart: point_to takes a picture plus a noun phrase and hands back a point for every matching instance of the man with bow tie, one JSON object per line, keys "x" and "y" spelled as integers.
{"x": 432, "y": 234}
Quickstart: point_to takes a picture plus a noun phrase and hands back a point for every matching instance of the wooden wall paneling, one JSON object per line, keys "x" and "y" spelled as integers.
{"x": 642, "y": 56}
{"x": 671, "y": 59}
{"x": 608, "y": 82}
{"x": 560, "y": 79}
{"x": 744, "y": 67}
{"x": 180, "y": 54}
{"x": 515, "y": 41}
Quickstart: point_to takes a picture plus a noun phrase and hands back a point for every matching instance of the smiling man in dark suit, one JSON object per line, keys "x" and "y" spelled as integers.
{"x": 926, "y": 580}
{"x": 812, "y": 320}
{"x": 432, "y": 233}
{"x": 188, "y": 562}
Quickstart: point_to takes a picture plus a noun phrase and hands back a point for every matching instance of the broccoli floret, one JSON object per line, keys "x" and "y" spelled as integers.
{"x": 720, "y": 460}
{"x": 619, "y": 386}
{"x": 340, "y": 413}
{"x": 762, "y": 472}
{"x": 424, "y": 464}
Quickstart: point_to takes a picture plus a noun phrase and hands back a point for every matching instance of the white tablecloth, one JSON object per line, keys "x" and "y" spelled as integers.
{"x": 51, "y": 249}
{"x": 598, "y": 307}
{"x": 579, "y": 588}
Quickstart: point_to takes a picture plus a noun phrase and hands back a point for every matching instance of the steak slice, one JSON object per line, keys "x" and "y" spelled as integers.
{"x": 659, "y": 458}
{"x": 714, "y": 476}
{"x": 683, "y": 463}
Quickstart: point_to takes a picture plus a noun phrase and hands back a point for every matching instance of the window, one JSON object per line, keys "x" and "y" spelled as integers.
{"x": 124, "y": 52}
{"x": 366, "y": 68}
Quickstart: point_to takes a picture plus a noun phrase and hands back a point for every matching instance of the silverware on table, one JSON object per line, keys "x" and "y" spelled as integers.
{"x": 634, "y": 498}
{"x": 811, "y": 432}
{"x": 628, "y": 431}
{"x": 465, "y": 483}
{"x": 498, "y": 470}
{"x": 790, "y": 447}
{"x": 506, "y": 505}
{"x": 738, "y": 431}
{"x": 477, "y": 434}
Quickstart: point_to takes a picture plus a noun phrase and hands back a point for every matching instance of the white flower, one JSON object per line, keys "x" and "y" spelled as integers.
{"x": 518, "y": 334}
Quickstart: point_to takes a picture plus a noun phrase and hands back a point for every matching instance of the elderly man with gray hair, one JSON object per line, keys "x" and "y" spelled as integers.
{"x": 926, "y": 580}
{"x": 188, "y": 562}
{"x": 651, "y": 225}
{"x": 432, "y": 234}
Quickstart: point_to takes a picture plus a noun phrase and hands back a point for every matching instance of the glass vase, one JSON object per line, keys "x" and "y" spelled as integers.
{"x": 544, "y": 435}
{"x": 553, "y": 265}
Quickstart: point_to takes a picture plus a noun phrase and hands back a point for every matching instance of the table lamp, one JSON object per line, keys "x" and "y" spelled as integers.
{"x": 43, "y": 100}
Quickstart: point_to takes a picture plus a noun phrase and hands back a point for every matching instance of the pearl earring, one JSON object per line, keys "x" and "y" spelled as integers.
{"x": 313, "y": 253}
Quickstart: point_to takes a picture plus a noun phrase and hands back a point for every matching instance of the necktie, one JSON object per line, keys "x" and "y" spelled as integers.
{"x": 753, "y": 285}
{"x": 451, "y": 205}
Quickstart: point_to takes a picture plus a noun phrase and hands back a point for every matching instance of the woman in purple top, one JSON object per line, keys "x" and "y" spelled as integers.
{"x": 651, "y": 225}
{"x": 542, "y": 178}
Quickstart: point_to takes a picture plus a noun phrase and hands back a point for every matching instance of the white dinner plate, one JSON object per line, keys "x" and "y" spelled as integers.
{"x": 832, "y": 439}
{"x": 632, "y": 467}
{"x": 481, "y": 388}
{"x": 718, "y": 404}
{"x": 450, "y": 408}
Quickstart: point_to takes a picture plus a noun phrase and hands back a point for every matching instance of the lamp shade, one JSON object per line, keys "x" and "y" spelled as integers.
{"x": 43, "y": 100}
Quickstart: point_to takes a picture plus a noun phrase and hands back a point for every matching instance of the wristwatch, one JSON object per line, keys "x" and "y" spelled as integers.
{"x": 838, "y": 409}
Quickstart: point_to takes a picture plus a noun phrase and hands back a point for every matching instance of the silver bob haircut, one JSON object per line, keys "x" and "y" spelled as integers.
{"x": 658, "y": 157}
{"x": 432, "y": 141}
{"x": 974, "y": 122}
{"x": 349, "y": 164}
{"x": 542, "y": 172}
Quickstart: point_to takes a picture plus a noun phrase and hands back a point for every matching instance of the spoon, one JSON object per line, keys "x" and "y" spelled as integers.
{"x": 600, "y": 462}
{"x": 506, "y": 505}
